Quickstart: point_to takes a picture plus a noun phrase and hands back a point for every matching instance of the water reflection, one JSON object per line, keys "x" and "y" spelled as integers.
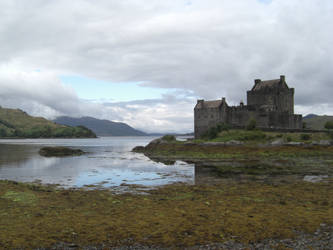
{"x": 108, "y": 163}
{"x": 15, "y": 154}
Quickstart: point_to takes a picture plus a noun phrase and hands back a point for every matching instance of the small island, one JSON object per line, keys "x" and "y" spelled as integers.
{"x": 60, "y": 152}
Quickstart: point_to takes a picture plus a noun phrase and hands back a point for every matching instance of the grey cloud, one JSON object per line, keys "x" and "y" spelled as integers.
{"x": 209, "y": 49}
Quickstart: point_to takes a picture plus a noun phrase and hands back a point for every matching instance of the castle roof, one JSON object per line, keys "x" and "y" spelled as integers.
{"x": 267, "y": 84}
{"x": 208, "y": 104}
{"x": 270, "y": 84}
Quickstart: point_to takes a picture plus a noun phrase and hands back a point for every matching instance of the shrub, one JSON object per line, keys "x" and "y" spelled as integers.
{"x": 3, "y": 132}
{"x": 169, "y": 138}
{"x": 252, "y": 124}
{"x": 253, "y": 136}
{"x": 331, "y": 134}
{"x": 211, "y": 133}
{"x": 303, "y": 125}
{"x": 289, "y": 139}
{"x": 223, "y": 127}
{"x": 329, "y": 125}
{"x": 305, "y": 137}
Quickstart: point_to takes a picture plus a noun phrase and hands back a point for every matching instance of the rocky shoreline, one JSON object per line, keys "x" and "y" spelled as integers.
{"x": 321, "y": 239}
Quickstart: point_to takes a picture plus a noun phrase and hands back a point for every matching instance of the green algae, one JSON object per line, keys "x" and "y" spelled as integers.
{"x": 20, "y": 197}
{"x": 176, "y": 215}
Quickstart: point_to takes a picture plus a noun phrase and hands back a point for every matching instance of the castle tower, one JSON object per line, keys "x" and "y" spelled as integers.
{"x": 271, "y": 95}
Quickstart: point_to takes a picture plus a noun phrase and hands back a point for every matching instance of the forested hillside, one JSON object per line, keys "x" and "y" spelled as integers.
{"x": 15, "y": 123}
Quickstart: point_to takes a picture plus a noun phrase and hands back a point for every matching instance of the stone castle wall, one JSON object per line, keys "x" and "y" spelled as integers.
{"x": 280, "y": 101}
{"x": 270, "y": 107}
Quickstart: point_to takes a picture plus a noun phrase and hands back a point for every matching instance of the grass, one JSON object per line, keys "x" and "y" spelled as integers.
{"x": 198, "y": 151}
{"x": 241, "y": 135}
{"x": 179, "y": 215}
{"x": 258, "y": 136}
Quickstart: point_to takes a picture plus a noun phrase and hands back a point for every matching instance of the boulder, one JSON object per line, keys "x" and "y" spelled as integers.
{"x": 212, "y": 144}
{"x": 233, "y": 143}
{"x": 277, "y": 142}
{"x": 324, "y": 143}
{"x": 294, "y": 143}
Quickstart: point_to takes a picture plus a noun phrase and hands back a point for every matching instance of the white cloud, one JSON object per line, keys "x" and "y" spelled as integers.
{"x": 210, "y": 48}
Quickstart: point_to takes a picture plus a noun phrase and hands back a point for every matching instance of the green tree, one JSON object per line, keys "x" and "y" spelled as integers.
{"x": 329, "y": 125}
{"x": 222, "y": 127}
{"x": 3, "y": 132}
{"x": 305, "y": 137}
{"x": 252, "y": 124}
{"x": 304, "y": 125}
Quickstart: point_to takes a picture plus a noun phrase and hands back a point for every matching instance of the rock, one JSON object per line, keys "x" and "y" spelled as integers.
{"x": 277, "y": 142}
{"x": 234, "y": 142}
{"x": 314, "y": 178}
{"x": 294, "y": 143}
{"x": 212, "y": 144}
{"x": 324, "y": 143}
{"x": 190, "y": 143}
{"x": 138, "y": 149}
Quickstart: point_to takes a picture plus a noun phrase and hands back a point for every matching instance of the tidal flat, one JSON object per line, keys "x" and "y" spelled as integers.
{"x": 178, "y": 215}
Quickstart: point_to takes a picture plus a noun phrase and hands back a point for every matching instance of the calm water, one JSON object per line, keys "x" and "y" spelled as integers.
{"x": 109, "y": 163}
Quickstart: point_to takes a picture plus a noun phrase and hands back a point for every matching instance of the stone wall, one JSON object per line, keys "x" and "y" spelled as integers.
{"x": 281, "y": 101}
{"x": 204, "y": 119}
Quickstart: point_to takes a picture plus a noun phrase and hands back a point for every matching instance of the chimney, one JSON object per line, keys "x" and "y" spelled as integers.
{"x": 256, "y": 81}
{"x": 282, "y": 78}
{"x": 223, "y": 99}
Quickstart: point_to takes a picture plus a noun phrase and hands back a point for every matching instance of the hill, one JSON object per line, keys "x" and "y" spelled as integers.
{"x": 310, "y": 116}
{"x": 317, "y": 121}
{"x": 101, "y": 127}
{"x": 15, "y": 123}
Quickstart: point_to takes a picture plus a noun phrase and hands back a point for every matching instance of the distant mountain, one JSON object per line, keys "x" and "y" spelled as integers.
{"x": 101, "y": 127}
{"x": 309, "y": 116}
{"x": 15, "y": 123}
{"x": 316, "y": 121}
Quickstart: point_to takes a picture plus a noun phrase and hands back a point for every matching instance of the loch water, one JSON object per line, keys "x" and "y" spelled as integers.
{"x": 109, "y": 162}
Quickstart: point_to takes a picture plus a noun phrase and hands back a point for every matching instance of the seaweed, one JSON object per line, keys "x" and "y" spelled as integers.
{"x": 179, "y": 215}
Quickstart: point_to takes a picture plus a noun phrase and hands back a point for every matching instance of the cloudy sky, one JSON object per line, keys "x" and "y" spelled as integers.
{"x": 146, "y": 62}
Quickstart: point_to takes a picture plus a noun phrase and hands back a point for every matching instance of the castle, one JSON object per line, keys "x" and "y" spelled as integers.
{"x": 270, "y": 103}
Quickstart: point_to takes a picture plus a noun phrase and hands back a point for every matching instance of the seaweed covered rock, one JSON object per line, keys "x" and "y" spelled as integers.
{"x": 60, "y": 151}
{"x": 139, "y": 149}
